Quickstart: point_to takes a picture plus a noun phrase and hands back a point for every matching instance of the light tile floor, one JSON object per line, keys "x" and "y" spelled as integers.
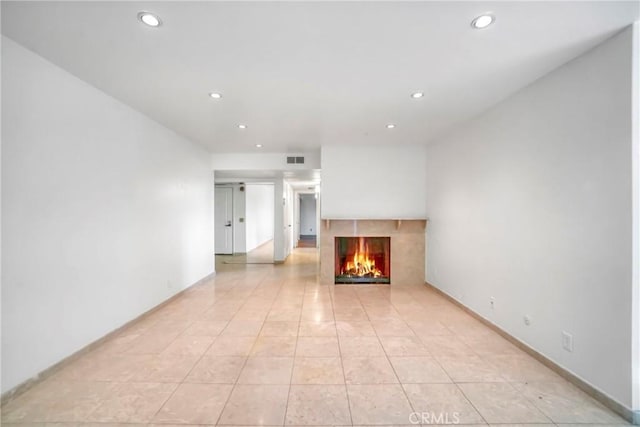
{"x": 263, "y": 254}
{"x": 267, "y": 345}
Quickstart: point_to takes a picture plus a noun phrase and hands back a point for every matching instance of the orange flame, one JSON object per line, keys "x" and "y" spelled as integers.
{"x": 361, "y": 264}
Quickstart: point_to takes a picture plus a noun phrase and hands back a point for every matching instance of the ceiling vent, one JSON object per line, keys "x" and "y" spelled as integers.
{"x": 295, "y": 160}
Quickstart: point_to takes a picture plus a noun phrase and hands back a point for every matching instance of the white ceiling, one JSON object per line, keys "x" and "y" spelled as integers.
{"x": 301, "y": 75}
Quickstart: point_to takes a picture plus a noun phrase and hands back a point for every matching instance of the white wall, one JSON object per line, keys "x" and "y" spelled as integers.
{"x": 373, "y": 182}
{"x": 530, "y": 203}
{"x": 635, "y": 93}
{"x": 308, "y": 214}
{"x": 105, "y": 214}
{"x": 260, "y": 210}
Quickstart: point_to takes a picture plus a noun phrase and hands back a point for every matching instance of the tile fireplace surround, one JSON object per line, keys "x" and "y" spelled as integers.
{"x": 407, "y": 246}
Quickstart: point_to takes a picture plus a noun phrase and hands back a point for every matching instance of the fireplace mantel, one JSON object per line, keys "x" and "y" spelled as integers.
{"x": 407, "y": 245}
{"x": 398, "y": 221}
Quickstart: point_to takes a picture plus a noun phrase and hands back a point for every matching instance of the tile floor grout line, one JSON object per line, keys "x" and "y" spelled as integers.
{"x": 177, "y": 384}
{"x": 293, "y": 366}
{"x": 190, "y": 370}
{"x": 344, "y": 375}
{"x": 404, "y": 392}
{"x": 475, "y": 408}
{"x": 235, "y": 384}
{"x": 388, "y": 360}
{"x": 473, "y": 404}
{"x": 532, "y": 402}
{"x": 282, "y": 285}
{"x": 453, "y": 382}
{"x": 454, "y": 334}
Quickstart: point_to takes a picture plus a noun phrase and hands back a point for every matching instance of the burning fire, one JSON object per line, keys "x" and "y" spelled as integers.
{"x": 361, "y": 264}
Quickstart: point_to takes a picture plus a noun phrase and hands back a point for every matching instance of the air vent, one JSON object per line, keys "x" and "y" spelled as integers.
{"x": 295, "y": 160}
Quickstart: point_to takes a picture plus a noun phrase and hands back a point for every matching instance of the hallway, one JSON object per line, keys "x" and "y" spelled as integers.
{"x": 267, "y": 345}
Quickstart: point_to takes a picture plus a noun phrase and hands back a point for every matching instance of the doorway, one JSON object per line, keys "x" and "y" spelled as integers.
{"x": 244, "y": 222}
{"x": 259, "y": 212}
{"x": 308, "y": 221}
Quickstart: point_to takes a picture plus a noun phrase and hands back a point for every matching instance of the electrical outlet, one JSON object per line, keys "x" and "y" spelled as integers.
{"x": 567, "y": 341}
{"x": 492, "y": 303}
{"x": 527, "y": 320}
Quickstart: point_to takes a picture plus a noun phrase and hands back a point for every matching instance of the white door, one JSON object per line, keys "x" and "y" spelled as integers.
{"x": 224, "y": 220}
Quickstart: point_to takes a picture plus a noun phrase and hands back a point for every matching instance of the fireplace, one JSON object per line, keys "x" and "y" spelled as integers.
{"x": 362, "y": 260}
{"x": 406, "y": 249}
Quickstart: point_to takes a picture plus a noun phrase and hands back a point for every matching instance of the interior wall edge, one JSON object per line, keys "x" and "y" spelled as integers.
{"x": 635, "y": 168}
{"x": 27, "y": 385}
{"x": 584, "y": 385}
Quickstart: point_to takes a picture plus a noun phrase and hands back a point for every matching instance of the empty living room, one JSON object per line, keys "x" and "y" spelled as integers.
{"x": 320, "y": 213}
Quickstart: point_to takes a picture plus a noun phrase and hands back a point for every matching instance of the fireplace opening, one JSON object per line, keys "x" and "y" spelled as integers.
{"x": 363, "y": 260}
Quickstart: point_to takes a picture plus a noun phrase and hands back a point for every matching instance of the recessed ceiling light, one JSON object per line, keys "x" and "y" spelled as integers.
{"x": 483, "y": 21}
{"x": 417, "y": 95}
{"x": 258, "y": 145}
{"x": 215, "y": 95}
{"x": 242, "y": 126}
{"x": 390, "y": 126}
{"x": 149, "y": 19}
